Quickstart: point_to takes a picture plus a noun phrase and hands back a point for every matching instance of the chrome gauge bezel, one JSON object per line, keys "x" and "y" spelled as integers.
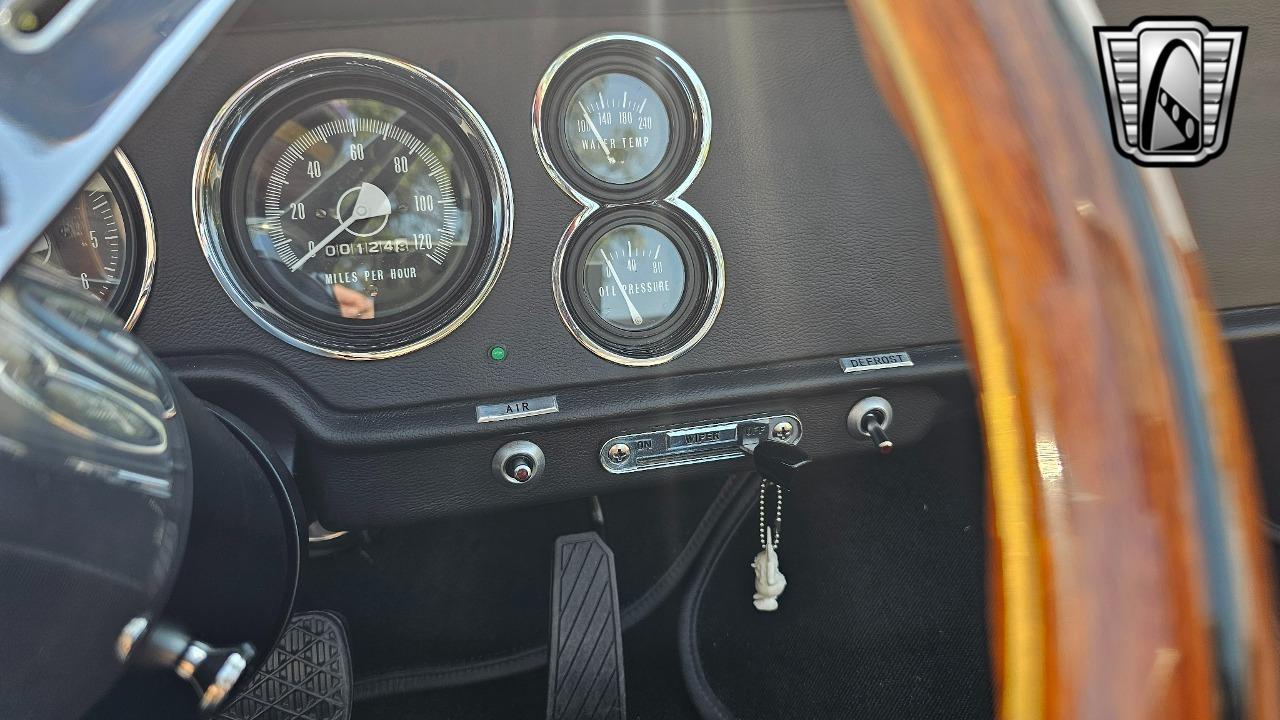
{"x": 703, "y": 297}
{"x": 652, "y": 194}
{"x": 121, "y": 176}
{"x": 237, "y": 120}
{"x": 653, "y": 62}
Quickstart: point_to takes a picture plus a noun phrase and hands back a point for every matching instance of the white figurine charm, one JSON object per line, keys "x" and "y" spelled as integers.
{"x": 770, "y": 582}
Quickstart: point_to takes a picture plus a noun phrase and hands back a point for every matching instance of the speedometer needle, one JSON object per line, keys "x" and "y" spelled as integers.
{"x": 635, "y": 314}
{"x": 607, "y": 155}
{"x": 370, "y": 203}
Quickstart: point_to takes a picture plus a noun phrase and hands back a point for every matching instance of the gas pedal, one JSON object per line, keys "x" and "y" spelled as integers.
{"x": 585, "y": 680}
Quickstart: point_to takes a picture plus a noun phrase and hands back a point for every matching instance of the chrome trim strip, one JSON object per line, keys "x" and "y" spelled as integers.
{"x": 207, "y": 189}
{"x": 50, "y": 139}
{"x": 690, "y": 445}
{"x": 148, "y": 247}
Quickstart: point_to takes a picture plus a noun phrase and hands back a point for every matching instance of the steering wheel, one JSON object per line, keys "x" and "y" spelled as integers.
{"x": 1128, "y": 571}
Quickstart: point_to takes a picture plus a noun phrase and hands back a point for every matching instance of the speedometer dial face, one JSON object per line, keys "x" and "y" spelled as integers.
{"x": 353, "y": 205}
{"x": 358, "y": 212}
{"x": 617, "y": 128}
{"x": 634, "y": 277}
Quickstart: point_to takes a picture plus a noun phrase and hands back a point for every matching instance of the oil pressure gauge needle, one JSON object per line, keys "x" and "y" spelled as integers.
{"x": 599, "y": 139}
{"x": 635, "y": 314}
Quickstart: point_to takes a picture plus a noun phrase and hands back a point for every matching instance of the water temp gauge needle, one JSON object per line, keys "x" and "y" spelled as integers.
{"x": 636, "y": 319}
{"x": 596, "y": 131}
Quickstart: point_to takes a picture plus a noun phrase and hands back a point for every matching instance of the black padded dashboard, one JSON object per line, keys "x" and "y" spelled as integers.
{"x": 828, "y": 240}
{"x": 821, "y": 209}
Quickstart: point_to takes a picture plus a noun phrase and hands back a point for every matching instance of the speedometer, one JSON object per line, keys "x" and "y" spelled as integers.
{"x": 353, "y": 205}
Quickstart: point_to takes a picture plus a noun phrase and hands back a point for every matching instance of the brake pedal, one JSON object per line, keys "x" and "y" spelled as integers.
{"x": 585, "y": 678}
{"x": 306, "y": 677}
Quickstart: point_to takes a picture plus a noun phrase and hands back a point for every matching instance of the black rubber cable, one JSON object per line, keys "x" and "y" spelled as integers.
{"x": 429, "y": 677}
{"x": 700, "y": 691}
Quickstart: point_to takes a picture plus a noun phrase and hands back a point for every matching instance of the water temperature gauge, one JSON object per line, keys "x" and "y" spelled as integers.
{"x": 621, "y": 118}
{"x": 617, "y": 128}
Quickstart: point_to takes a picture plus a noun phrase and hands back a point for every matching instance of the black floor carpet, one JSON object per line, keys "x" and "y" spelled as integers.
{"x": 884, "y": 614}
{"x": 434, "y": 596}
{"x": 884, "y": 611}
{"x": 655, "y": 690}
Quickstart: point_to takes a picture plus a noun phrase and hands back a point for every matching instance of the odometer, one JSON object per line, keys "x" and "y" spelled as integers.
{"x": 364, "y": 210}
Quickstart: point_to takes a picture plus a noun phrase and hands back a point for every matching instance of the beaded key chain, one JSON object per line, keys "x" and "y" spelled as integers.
{"x": 770, "y": 581}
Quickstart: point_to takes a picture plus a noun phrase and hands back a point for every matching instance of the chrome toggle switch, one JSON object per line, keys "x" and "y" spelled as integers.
{"x": 870, "y": 417}
{"x": 518, "y": 462}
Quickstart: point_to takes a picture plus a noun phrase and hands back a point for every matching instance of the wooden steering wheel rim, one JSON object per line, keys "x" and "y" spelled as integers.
{"x": 1128, "y": 571}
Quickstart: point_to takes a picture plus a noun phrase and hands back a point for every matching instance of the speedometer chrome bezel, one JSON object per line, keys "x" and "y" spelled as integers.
{"x": 235, "y": 120}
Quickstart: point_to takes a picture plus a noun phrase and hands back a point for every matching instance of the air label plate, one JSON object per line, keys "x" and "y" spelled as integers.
{"x": 517, "y": 409}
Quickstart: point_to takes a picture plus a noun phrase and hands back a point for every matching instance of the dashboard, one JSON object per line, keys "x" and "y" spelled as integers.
{"x": 399, "y": 249}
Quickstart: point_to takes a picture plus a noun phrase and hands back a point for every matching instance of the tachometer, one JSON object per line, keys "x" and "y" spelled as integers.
{"x": 104, "y": 240}
{"x": 353, "y": 205}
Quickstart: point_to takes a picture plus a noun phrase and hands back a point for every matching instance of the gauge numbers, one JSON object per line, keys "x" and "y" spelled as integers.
{"x": 634, "y": 277}
{"x": 360, "y": 216}
{"x": 86, "y": 241}
{"x": 617, "y": 128}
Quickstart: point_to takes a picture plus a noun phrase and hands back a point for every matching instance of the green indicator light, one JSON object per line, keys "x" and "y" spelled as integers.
{"x": 498, "y": 353}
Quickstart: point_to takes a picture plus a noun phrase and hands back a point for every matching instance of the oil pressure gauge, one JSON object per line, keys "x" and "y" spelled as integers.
{"x": 621, "y": 118}
{"x": 633, "y": 276}
{"x": 639, "y": 285}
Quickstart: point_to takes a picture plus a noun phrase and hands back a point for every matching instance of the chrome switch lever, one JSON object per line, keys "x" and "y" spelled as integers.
{"x": 211, "y": 671}
{"x": 871, "y": 424}
{"x": 870, "y": 418}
